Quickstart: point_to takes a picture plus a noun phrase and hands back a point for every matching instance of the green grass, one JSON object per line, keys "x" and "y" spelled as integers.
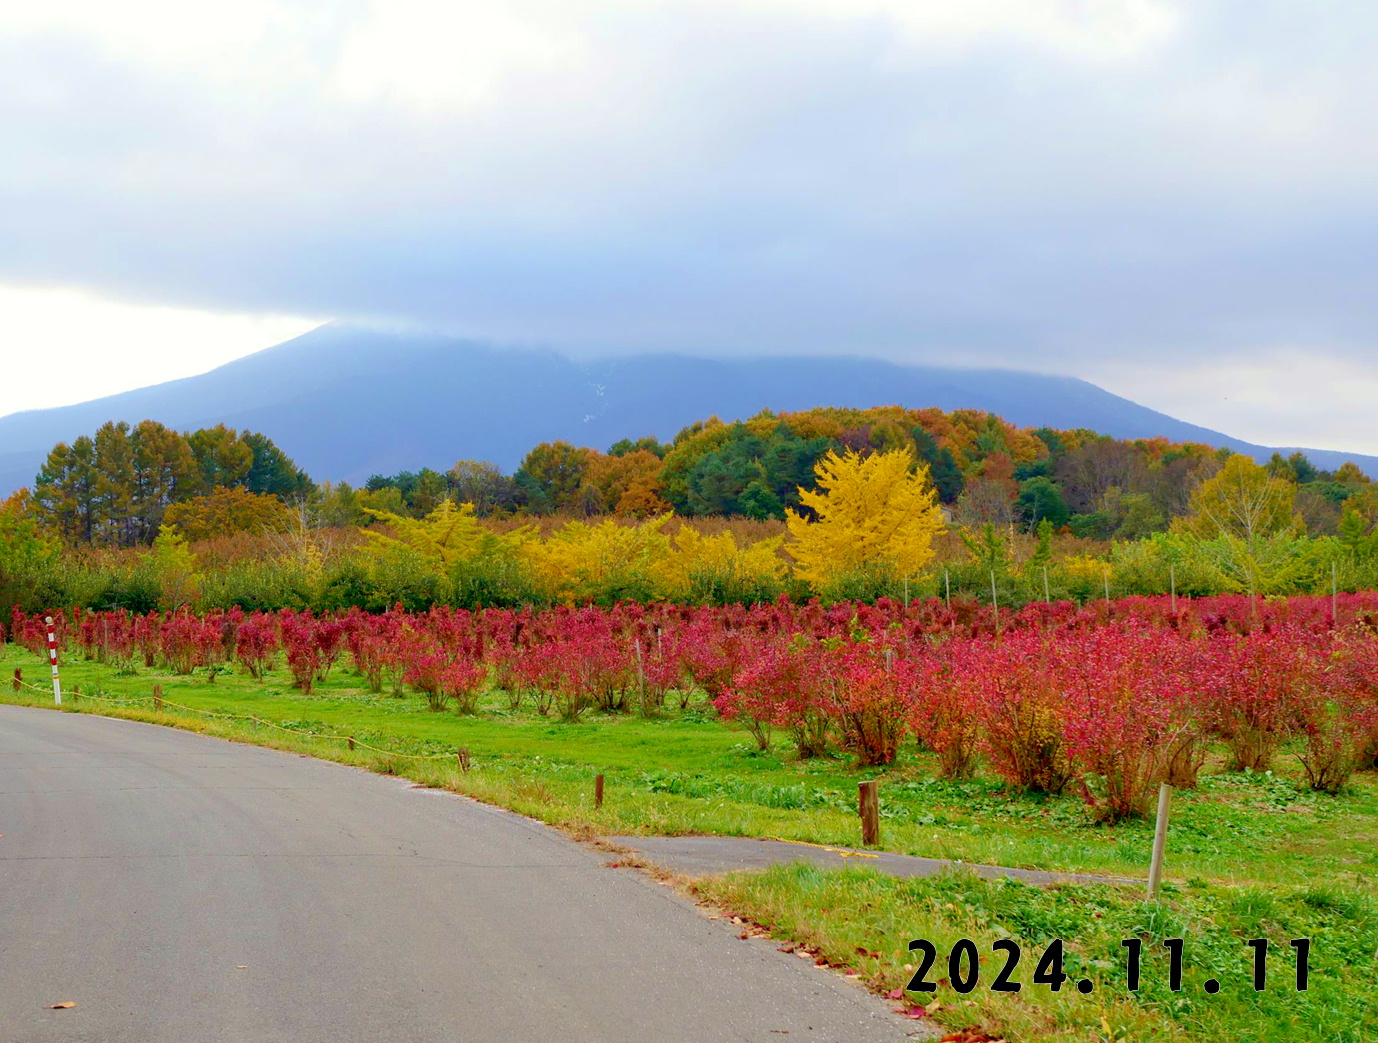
{"x": 1249, "y": 855}
{"x": 863, "y": 920}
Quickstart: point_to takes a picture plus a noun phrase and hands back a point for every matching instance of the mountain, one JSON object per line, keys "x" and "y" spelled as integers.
{"x": 347, "y": 402}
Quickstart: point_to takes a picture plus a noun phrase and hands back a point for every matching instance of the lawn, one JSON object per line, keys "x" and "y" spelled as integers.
{"x": 1248, "y": 856}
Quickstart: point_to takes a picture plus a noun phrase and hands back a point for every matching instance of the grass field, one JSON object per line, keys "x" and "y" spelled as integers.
{"x": 1249, "y": 856}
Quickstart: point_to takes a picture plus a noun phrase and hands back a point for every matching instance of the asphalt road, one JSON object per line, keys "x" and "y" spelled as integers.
{"x": 181, "y": 888}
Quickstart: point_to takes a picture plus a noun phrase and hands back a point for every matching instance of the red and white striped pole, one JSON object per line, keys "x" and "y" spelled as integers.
{"x": 52, "y": 659}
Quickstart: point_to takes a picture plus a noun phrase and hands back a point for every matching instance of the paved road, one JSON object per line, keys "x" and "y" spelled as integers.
{"x": 181, "y": 888}
{"x": 697, "y": 856}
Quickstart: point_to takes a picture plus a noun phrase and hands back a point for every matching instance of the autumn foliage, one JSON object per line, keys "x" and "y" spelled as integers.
{"x": 1105, "y": 701}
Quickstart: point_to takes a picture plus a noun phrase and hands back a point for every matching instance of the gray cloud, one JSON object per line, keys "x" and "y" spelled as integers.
{"x": 728, "y": 175}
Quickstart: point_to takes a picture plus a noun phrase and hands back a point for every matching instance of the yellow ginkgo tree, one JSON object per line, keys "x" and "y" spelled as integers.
{"x": 447, "y": 535}
{"x": 873, "y": 512}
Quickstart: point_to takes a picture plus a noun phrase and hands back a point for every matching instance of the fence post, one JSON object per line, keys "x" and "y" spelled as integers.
{"x": 598, "y": 791}
{"x": 462, "y": 755}
{"x": 995, "y": 602}
{"x": 1155, "y": 867}
{"x": 351, "y": 742}
{"x": 157, "y": 697}
{"x": 1172, "y": 578}
{"x": 18, "y": 681}
{"x": 76, "y": 693}
{"x": 1334, "y": 597}
{"x": 868, "y": 804}
{"x": 52, "y": 658}
{"x": 1047, "y": 596}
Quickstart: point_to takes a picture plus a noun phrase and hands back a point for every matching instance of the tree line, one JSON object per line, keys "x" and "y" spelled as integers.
{"x": 985, "y": 470}
{"x": 120, "y": 485}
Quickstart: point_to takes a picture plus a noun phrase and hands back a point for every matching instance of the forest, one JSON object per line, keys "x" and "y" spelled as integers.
{"x": 143, "y": 517}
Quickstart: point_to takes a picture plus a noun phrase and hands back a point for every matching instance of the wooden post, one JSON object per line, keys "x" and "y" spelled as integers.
{"x": 598, "y": 791}
{"x": 18, "y": 681}
{"x": 1334, "y": 597}
{"x": 1172, "y": 578}
{"x": 868, "y": 804}
{"x": 462, "y": 755}
{"x": 157, "y": 697}
{"x": 351, "y": 742}
{"x": 995, "y": 602}
{"x": 1047, "y": 597}
{"x": 1155, "y": 867}
{"x": 947, "y": 588}
{"x": 1107, "y": 590}
{"x": 76, "y": 693}
{"x": 906, "y": 593}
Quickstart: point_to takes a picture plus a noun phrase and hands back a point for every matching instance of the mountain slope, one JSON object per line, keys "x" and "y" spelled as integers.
{"x": 347, "y": 402}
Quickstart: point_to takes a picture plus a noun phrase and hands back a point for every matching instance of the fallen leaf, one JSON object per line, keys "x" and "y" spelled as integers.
{"x": 934, "y": 1007}
{"x": 64, "y": 1005}
{"x": 1105, "y": 1025}
{"x": 895, "y": 994}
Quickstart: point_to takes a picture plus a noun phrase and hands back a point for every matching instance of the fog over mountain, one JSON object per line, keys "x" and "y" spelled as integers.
{"x": 347, "y": 402}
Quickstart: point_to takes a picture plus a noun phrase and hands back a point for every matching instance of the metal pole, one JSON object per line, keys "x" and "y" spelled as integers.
{"x": 52, "y": 659}
{"x": 1155, "y": 867}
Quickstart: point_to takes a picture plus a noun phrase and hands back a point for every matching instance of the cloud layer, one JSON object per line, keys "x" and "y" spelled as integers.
{"x": 1142, "y": 192}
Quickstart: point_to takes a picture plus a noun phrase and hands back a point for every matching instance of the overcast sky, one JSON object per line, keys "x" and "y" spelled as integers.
{"x": 1172, "y": 199}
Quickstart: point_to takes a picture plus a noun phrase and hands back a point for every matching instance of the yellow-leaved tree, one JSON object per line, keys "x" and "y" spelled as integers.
{"x": 606, "y": 560}
{"x": 718, "y": 563}
{"x": 447, "y": 535}
{"x": 1244, "y": 501}
{"x": 875, "y": 512}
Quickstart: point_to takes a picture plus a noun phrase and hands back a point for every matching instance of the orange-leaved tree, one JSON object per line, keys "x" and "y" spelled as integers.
{"x": 874, "y": 512}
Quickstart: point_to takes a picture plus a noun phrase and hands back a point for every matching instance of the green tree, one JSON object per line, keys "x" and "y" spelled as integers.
{"x": 624, "y": 446}
{"x": 273, "y": 471}
{"x": 65, "y": 489}
{"x": 942, "y": 466}
{"x": 1302, "y": 467}
{"x": 115, "y": 484}
{"x": 222, "y": 457}
{"x": 759, "y": 501}
{"x": 164, "y": 472}
{"x": 1041, "y": 500}
{"x": 431, "y": 489}
{"x": 550, "y": 476}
